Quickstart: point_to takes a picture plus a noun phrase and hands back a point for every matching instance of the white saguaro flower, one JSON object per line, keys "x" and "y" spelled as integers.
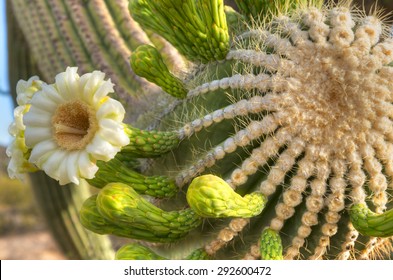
{"x": 73, "y": 123}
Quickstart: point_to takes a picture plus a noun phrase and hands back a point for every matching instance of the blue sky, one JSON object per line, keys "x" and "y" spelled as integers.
{"x": 6, "y": 110}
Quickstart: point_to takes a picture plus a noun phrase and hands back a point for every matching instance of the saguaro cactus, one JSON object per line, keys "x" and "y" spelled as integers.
{"x": 278, "y": 135}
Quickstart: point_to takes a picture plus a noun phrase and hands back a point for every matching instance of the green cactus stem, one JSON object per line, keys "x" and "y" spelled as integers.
{"x": 371, "y": 224}
{"x": 147, "y": 62}
{"x": 270, "y": 245}
{"x": 198, "y": 29}
{"x": 125, "y": 208}
{"x": 211, "y": 197}
{"x": 136, "y": 251}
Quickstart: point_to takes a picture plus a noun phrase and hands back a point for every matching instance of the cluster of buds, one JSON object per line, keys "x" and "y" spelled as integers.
{"x": 280, "y": 131}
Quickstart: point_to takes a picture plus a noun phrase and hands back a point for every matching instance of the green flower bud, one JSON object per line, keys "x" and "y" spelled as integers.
{"x": 270, "y": 245}
{"x": 92, "y": 219}
{"x": 125, "y": 208}
{"x": 211, "y": 197}
{"x": 371, "y": 224}
{"x": 148, "y": 144}
{"x": 136, "y": 251}
{"x": 198, "y": 29}
{"x": 147, "y": 62}
{"x": 116, "y": 170}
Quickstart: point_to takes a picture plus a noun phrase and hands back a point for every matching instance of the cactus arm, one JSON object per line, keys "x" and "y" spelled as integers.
{"x": 91, "y": 33}
{"x": 371, "y": 224}
{"x": 49, "y": 64}
{"x": 128, "y": 29}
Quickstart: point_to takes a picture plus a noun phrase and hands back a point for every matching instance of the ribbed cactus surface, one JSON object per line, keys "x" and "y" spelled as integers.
{"x": 274, "y": 140}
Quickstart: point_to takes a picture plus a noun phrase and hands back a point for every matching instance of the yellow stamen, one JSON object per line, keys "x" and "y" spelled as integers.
{"x": 74, "y": 125}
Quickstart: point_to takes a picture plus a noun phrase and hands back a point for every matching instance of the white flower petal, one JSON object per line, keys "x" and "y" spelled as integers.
{"x": 53, "y": 94}
{"x": 114, "y": 132}
{"x": 111, "y": 109}
{"x": 71, "y": 169}
{"x": 40, "y": 152}
{"x": 25, "y": 90}
{"x": 93, "y": 82}
{"x": 42, "y": 101}
{"x": 52, "y": 165}
{"x": 9, "y": 149}
{"x": 34, "y": 135}
{"x": 72, "y": 79}
{"x": 14, "y": 166}
{"x": 101, "y": 149}
{"x": 82, "y": 83}
{"x": 103, "y": 90}
{"x": 17, "y": 125}
{"x": 65, "y": 81}
{"x": 87, "y": 169}
{"x": 22, "y": 85}
{"x": 36, "y": 117}
{"x": 16, "y": 161}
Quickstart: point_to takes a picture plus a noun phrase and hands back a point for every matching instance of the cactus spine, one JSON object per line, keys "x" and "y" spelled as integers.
{"x": 293, "y": 115}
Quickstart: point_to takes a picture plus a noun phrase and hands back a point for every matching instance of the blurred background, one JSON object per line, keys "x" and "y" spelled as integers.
{"x": 23, "y": 231}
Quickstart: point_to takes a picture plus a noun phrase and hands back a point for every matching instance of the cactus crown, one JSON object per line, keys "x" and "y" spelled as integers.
{"x": 279, "y": 135}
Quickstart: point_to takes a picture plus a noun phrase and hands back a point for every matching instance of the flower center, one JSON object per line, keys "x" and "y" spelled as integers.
{"x": 74, "y": 125}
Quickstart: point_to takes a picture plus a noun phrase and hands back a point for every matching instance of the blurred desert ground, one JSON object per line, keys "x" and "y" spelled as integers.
{"x": 23, "y": 231}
